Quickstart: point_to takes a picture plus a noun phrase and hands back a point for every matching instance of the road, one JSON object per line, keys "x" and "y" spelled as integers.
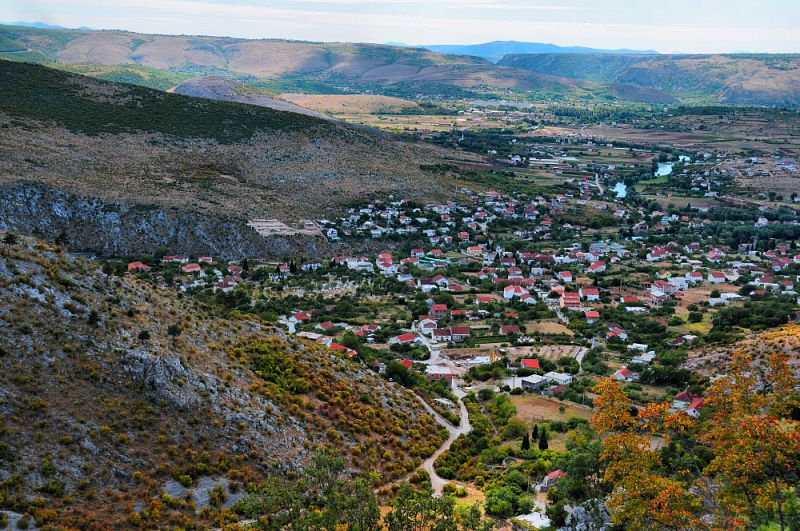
{"x": 464, "y": 427}
{"x": 597, "y": 183}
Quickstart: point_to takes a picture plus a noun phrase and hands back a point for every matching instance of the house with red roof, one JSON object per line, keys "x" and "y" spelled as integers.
{"x": 506, "y": 330}
{"x": 570, "y": 300}
{"x": 550, "y": 480}
{"x": 589, "y": 294}
{"x": 404, "y": 339}
{"x": 510, "y": 292}
{"x": 191, "y": 268}
{"x": 529, "y": 363}
{"x": 439, "y": 311}
{"x": 597, "y": 267}
{"x": 139, "y": 266}
{"x": 592, "y": 316}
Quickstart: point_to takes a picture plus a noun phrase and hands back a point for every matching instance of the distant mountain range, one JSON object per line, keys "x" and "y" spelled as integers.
{"x": 496, "y": 50}
{"x": 25, "y": 24}
{"x": 274, "y": 66}
{"x": 762, "y": 79}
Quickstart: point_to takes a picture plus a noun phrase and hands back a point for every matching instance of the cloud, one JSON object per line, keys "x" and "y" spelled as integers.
{"x": 324, "y": 20}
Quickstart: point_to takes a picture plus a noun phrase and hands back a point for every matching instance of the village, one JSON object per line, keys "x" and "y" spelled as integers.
{"x": 498, "y": 294}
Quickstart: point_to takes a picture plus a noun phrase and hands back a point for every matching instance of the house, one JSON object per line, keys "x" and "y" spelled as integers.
{"x": 559, "y": 378}
{"x": 565, "y": 276}
{"x": 175, "y": 259}
{"x": 693, "y": 277}
{"x": 439, "y": 311}
{"x": 550, "y": 480}
{"x": 509, "y": 292}
{"x": 506, "y": 330}
{"x": 529, "y": 363}
{"x": 417, "y": 253}
{"x": 426, "y": 325}
{"x": 442, "y": 334}
{"x": 716, "y": 277}
{"x": 205, "y": 260}
{"x": 483, "y": 299}
{"x": 617, "y": 332}
{"x": 312, "y": 265}
{"x": 597, "y": 267}
{"x": 592, "y": 316}
{"x": 299, "y": 317}
{"x": 407, "y": 363}
{"x": 438, "y": 373}
{"x": 570, "y": 300}
{"x": 624, "y": 375}
{"x": 139, "y": 266}
{"x": 534, "y": 382}
{"x": 459, "y": 333}
{"x": 191, "y": 268}
{"x": 688, "y": 403}
{"x": 589, "y": 294}
{"x": 404, "y": 339}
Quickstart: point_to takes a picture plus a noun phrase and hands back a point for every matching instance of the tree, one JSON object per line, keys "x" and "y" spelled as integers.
{"x": 174, "y": 331}
{"x": 144, "y": 336}
{"x": 94, "y": 318}
{"x": 748, "y": 479}
{"x": 535, "y": 434}
{"x": 526, "y": 443}
{"x": 10, "y": 238}
{"x": 543, "y": 440}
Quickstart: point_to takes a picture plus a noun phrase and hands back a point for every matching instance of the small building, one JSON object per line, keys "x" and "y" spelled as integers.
{"x": 559, "y": 378}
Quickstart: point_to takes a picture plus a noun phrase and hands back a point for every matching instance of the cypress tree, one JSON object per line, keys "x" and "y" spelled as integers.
{"x": 543, "y": 440}
{"x": 535, "y": 431}
{"x": 526, "y": 442}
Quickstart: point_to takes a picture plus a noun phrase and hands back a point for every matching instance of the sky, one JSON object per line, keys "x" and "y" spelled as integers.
{"x": 690, "y": 26}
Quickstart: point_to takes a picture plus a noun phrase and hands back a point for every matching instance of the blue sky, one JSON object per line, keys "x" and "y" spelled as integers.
{"x": 664, "y": 25}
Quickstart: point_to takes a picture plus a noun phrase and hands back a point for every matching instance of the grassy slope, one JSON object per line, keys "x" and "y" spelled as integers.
{"x": 95, "y": 422}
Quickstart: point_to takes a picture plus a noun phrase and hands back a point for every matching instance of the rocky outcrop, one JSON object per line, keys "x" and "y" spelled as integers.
{"x": 92, "y": 226}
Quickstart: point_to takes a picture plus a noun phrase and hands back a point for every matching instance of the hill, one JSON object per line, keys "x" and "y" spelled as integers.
{"x": 225, "y": 89}
{"x": 114, "y": 392}
{"x": 494, "y": 51}
{"x": 283, "y": 66}
{"x": 120, "y": 169}
{"x": 734, "y": 79}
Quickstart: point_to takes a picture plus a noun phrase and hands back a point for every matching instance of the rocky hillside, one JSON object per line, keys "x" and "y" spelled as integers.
{"x": 133, "y": 166}
{"x": 123, "y": 404}
{"x": 735, "y": 79}
{"x": 711, "y": 360}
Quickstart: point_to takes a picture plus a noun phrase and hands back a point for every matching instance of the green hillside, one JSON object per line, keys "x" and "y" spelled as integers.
{"x": 46, "y": 94}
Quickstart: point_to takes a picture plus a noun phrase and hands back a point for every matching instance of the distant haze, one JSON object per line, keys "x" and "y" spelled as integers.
{"x": 675, "y": 26}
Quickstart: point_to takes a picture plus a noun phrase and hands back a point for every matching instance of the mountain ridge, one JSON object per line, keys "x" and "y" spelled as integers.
{"x": 495, "y": 50}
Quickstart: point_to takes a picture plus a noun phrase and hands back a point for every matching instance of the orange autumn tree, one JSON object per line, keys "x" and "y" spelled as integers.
{"x": 749, "y": 431}
{"x": 756, "y": 443}
{"x": 642, "y": 498}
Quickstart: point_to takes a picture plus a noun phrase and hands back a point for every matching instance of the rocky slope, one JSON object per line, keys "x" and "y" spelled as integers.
{"x": 120, "y": 401}
{"x": 138, "y": 166}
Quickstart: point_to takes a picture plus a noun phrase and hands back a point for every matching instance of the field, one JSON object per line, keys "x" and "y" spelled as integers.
{"x": 548, "y": 327}
{"x": 349, "y": 103}
{"x": 540, "y": 408}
